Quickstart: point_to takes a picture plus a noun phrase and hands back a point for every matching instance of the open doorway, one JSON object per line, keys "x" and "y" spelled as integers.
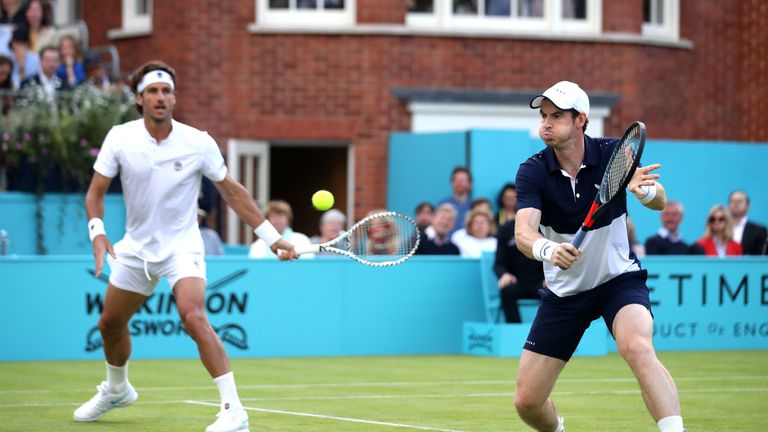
{"x": 296, "y": 172}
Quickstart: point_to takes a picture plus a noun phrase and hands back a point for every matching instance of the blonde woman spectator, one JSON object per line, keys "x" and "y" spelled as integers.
{"x": 279, "y": 214}
{"x": 718, "y": 234}
{"x": 481, "y": 232}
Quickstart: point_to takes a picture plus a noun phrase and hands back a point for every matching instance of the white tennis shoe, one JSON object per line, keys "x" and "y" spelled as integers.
{"x": 230, "y": 420}
{"x": 105, "y": 401}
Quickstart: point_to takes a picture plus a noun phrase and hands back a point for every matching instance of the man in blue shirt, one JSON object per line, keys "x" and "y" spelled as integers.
{"x": 555, "y": 189}
{"x": 461, "y": 195}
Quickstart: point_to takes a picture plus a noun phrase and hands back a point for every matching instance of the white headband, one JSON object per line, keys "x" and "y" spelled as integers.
{"x": 154, "y": 77}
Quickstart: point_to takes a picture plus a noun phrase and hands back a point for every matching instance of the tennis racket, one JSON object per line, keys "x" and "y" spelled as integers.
{"x": 621, "y": 167}
{"x": 379, "y": 240}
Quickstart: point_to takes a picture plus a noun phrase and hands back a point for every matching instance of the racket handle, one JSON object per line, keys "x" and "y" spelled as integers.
{"x": 313, "y": 248}
{"x": 579, "y": 237}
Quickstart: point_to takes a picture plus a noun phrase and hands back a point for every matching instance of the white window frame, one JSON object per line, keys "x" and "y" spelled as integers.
{"x": 133, "y": 24}
{"x": 266, "y": 17}
{"x": 250, "y": 150}
{"x": 670, "y": 27}
{"x": 63, "y": 12}
{"x": 443, "y": 17}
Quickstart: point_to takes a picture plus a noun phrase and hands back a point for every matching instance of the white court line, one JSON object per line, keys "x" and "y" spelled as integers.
{"x": 347, "y": 419}
{"x": 410, "y": 396}
{"x": 397, "y": 384}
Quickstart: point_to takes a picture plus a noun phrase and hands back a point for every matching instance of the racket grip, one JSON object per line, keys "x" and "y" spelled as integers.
{"x": 579, "y": 237}
{"x": 312, "y": 248}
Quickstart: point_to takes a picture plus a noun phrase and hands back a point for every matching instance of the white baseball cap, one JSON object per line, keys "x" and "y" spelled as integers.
{"x": 565, "y": 95}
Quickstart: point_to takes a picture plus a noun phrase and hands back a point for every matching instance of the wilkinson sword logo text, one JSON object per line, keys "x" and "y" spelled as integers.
{"x": 158, "y": 316}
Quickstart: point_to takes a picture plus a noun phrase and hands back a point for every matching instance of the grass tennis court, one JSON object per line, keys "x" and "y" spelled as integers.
{"x": 719, "y": 391}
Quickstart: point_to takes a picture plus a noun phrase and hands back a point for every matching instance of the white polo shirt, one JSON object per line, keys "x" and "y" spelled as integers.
{"x": 161, "y": 184}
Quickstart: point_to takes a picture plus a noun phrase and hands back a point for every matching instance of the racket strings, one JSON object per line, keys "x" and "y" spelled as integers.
{"x": 385, "y": 238}
{"x": 620, "y": 165}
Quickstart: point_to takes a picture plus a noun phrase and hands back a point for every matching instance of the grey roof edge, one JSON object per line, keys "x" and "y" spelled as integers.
{"x": 490, "y": 97}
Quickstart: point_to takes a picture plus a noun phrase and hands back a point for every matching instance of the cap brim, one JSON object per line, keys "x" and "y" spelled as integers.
{"x": 536, "y": 102}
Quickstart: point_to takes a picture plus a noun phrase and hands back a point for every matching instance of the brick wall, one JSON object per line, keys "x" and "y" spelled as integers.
{"x": 338, "y": 87}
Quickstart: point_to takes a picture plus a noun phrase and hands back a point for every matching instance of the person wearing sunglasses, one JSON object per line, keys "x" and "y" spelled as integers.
{"x": 718, "y": 234}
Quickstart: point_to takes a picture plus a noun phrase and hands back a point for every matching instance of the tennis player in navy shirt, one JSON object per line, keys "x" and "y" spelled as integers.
{"x": 555, "y": 189}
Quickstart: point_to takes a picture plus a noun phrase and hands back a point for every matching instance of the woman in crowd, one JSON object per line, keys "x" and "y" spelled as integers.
{"x": 718, "y": 234}
{"x": 481, "y": 232}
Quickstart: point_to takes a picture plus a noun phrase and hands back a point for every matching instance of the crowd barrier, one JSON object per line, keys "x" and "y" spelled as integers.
{"x": 334, "y": 306}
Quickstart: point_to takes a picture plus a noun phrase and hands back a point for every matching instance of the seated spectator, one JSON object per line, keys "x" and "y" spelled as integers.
{"x": 332, "y": 224}
{"x": 483, "y": 204}
{"x": 211, "y": 239}
{"x": 39, "y": 25}
{"x": 71, "y": 70}
{"x": 6, "y": 84}
{"x": 6, "y": 32}
{"x": 381, "y": 238}
{"x": 12, "y": 12}
{"x": 96, "y": 73}
{"x": 667, "y": 240}
{"x": 750, "y": 235}
{"x": 480, "y": 236}
{"x": 424, "y": 212}
{"x": 279, "y": 214}
{"x": 26, "y": 63}
{"x": 461, "y": 195}
{"x": 46, "y": 78}
{"x": 507, "y": 201}
{"x": 519, "y": 276}
{"x": 436, "y": 240}
{"x": 718, "y": 234}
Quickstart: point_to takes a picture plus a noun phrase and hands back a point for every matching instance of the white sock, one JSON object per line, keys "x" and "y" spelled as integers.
{"x": 671, "y": 424}
{"x": 117, "y": 378}
{"x": 560, "y": 425}
{"x": 228, "y": 391}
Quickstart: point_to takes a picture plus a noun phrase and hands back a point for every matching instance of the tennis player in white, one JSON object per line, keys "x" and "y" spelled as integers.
{"x": 161, "y": 163}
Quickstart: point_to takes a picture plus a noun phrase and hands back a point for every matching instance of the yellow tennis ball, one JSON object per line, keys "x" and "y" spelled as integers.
{"x": 322, "y": 200}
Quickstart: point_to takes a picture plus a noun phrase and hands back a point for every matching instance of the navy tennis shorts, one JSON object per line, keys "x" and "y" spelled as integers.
{"x": 561, "y": 321}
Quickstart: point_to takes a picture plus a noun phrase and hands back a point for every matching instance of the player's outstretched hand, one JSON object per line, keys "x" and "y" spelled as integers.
{"x": 101, "y": 245}
{"x": 284, "y": 250}
{"x": 642, "y": 177}
{"x": 564, "y": 255}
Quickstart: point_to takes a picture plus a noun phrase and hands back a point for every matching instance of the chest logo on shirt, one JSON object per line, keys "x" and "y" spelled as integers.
{"x": 177, "y": 166}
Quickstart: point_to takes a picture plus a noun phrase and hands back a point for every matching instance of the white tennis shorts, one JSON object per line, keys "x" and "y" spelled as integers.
{"x": 131, "y": 273}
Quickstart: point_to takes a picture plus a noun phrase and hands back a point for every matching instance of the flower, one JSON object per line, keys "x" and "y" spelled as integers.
{"x": 83, "y": 142}
{"x": 94, "y": 152}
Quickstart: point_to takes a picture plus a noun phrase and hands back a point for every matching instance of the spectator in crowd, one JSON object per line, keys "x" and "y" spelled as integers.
{"x": 436, "y": 239}
{"x": 71, "y": 70}
{"x": 750, "y": 235}
{"x": 12, "y": 12}
{"x": 667, "y": 240}
{"x": 461, "y": 196}
{"x": 381, "y": 238}
{"x": 279, "y": 214}
{"x": 424, "y": 212}
{"x": 96, "y": 73}
{"x": 483, "y": 204}
{"x": 519, "y": 276}
{"x": 507, "y": 201}
{"x": 6, "y": 84}
{"x": 331, "y": 225}
{"x": 212, "y": 243}
{"x": 480, "y": 234}
{"x": 46, "y": 78}
{"x": 39, "y": 25}
{"x": 26, "y": 63}
{"x": 718, "y": 234}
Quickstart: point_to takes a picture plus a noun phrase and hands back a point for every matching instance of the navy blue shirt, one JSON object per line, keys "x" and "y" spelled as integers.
{"x": 564, "y": 203}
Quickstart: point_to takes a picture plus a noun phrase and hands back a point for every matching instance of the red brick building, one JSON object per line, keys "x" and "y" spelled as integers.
{"x": 315, "y": 81}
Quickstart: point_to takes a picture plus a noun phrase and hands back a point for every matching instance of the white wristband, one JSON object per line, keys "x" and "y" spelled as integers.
{"x": 542, "y": 249}
{"x": 267, "y": 232}
{"x": 95, "y": 228}
{"x": 647, "y": 194}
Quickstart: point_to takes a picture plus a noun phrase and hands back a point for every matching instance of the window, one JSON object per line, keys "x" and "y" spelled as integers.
{"x": 578, "y": 16}
{"x": 305, "y": 12}
{"x": 661, "y": 18}
{"x": 67, "y": 12}
{"x": 137, "y": 19}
